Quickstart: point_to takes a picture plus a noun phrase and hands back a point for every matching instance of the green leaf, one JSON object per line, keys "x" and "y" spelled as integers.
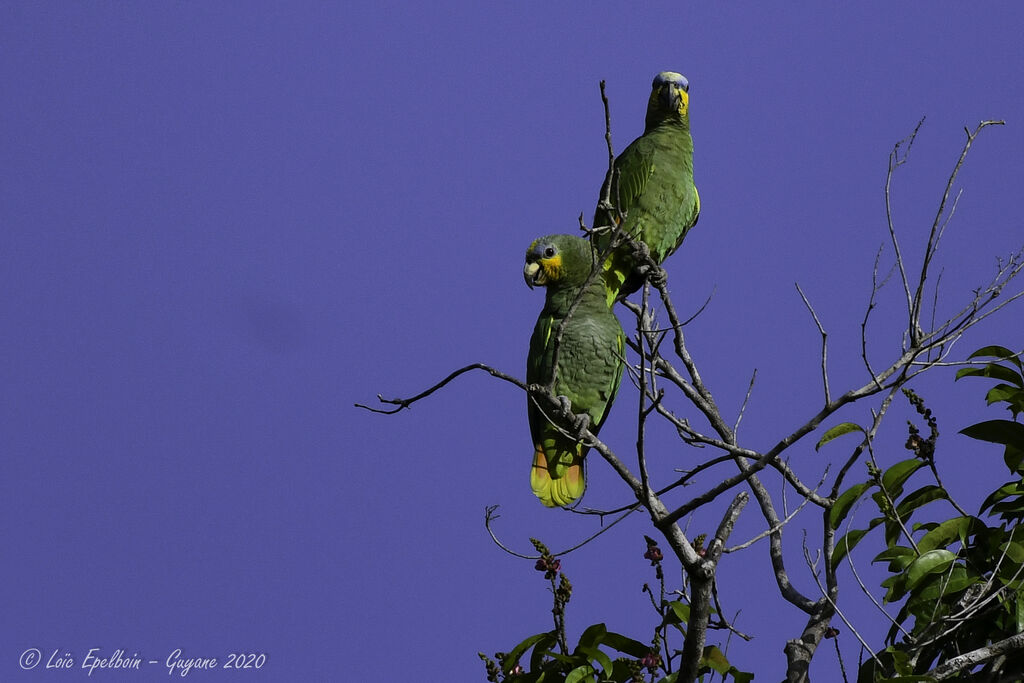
{"x": 681, "y": 610}
{"x": 895, "y": 476}
{"x": 592, "y": 636}
{"x": 937, "y": 586}
{"x": 580, "y": 673}
{"x": 1012, "y": 396}
{"x": 517, "y": 652}
{"x": 1011, "y": 488}
{"x": 847, "y": 543}
{"x": 1002, "y": 392}
{"x": 1009, "y": 510}
{"x": 997, "y": 431}
{"x": 626, "y": 645}
{"x": 1000, "y": 352}
{"x": 898, "y": 557}
{"x": 893, "y": 531}
{"x": 1011, "y": 580}
{"x": 595, "y": 655}
{"x": 844, "y": 502}
{"x": 1013, "y": 456}
{"x": 741, "y": 676}
{"x": 901, "y": 617}
{"x": 954, "y": 529}
{"x": 919, "y": 498}
{"x": 714, "y": 658}
{"x": 896, "y": 587}
{"x": 542, "y": 649}
{"x": 1013, "y": 550}
{"x": 1019, "y": 612}
{"x": 677, "y": 616}
{"x": 931, "y": 562}
{"x": 900, "y": 660}
{"x": 993, "y": 370}
{"x": 838, "y": 430}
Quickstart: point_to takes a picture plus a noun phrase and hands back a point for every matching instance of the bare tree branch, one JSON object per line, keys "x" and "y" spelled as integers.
{"x": 746, "y": 399}
{"x": 936, "y": 230}
{"x": 876, "y": 287}
{"x": 824, "y": 344}
{"x": 407, "y": 402}
{"x": 490, "y": 514}
{"x": 954, "y": 666}
{"x": 895, "y": 161}
{"x": 829, "y": 597}
{"x": 702, "y": 586}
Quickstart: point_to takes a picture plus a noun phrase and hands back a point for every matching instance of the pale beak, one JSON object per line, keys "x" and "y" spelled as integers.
{"x": 670, "y": 97}
{"x": 533, "y": 274}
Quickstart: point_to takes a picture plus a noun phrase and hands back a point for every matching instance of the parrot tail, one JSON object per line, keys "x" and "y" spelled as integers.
{"x": 561, "y": 483}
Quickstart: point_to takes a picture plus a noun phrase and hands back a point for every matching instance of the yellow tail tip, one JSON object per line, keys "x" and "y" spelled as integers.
{"x": 556, "y": 491}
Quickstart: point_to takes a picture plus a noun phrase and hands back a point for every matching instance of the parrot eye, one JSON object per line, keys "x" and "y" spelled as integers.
{"x": 549, "y": 252}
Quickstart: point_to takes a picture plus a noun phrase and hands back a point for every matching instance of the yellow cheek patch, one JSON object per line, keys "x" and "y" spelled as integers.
{"x": 552, "y": 267}
{"x": 684, "y": 102}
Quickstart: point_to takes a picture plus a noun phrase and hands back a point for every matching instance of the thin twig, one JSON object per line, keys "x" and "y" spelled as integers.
{"x": 814, "y": 573}
{"x": 876, "y": 287}
{"x": 490, "y": 515}
{"x": 777, "y": 527}
{"x": 860, "y": 582}
{"x": 824, "y": 343}
{"x": 933, "y": 236}
{"x": 406, "y": 402}
{"x": 895, "y": 161}
{"x": 746, "y": 399}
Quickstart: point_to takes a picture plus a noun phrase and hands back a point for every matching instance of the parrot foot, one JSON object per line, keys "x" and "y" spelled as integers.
{"x": 658, "y": 277}
{"x": 580, "y": 423}
{"x": 641, "y": 253}
{"x": 646, "y": 267}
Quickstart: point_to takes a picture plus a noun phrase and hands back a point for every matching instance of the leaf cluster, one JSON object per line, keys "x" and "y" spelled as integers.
{"x": 958, "y": 581}
{"x": 600, "y": 655}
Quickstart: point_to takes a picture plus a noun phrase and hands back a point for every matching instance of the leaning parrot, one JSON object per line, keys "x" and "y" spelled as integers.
{"x": 589, "y": 363}
{"x": 653, "y": 187}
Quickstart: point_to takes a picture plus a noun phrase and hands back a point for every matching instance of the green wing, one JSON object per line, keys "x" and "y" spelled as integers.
{"x": 653, "y": 186}
{"x": 589, "y": 373}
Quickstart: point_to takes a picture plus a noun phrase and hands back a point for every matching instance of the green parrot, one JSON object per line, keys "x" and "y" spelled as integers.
{"x": 589, "y": 364}
{"x": 654, "y": 186}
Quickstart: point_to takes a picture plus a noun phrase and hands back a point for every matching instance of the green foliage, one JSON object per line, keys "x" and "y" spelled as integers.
{"x": 956, "y": 583}
{"x": 959, "y": 581}
{"x": 600, "y": 655}
{"x": 838, "y": 430}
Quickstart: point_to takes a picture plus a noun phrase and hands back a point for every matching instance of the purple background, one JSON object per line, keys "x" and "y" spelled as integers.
{"x": 221, "y": 225}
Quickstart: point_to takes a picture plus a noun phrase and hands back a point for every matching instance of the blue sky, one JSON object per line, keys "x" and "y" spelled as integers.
{"x": 224, "y": 226}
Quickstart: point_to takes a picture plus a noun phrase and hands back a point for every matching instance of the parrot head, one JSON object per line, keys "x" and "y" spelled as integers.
{"x": 670, "y": 97}
{"x": 558, "y": 261}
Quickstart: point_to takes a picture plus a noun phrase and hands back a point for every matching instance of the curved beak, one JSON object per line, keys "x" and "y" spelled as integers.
{"x": 533, "y": 274}
{"x": 672, "y": 97}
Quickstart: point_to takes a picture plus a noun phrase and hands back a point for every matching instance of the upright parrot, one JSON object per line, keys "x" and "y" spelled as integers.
{"x": 653, "y": 187}
{"x": 589, "y": 363}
